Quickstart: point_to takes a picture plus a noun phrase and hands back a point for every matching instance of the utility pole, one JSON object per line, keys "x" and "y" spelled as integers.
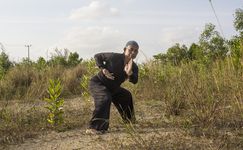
{"x": 28, "y": 46}
{"x": 28, "y": 80}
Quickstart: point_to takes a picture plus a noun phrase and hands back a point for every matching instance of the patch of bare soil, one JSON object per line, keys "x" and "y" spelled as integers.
{"x": 114, "y": 139}
{"x": 145, "y": 135}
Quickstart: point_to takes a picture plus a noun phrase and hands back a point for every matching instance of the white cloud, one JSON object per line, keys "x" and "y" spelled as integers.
{"x": 90, "y": 40}
{"x": 182, "y": 35}
{"x": 95, "y": 10}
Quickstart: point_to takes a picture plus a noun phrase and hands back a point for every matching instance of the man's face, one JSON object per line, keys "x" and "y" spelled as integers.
{"x": 131, "y": 51}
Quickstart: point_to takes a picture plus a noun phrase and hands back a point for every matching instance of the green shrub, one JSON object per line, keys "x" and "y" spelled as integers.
{"x": 55, "y": 103}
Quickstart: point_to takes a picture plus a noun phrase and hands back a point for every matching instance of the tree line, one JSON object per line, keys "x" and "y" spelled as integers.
{"x": 210, "y": 47}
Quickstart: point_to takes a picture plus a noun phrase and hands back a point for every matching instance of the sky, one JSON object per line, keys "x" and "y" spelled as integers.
{"x": 92, "y": 26}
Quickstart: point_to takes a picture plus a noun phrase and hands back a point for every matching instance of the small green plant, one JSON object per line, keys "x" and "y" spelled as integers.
{"x": 91, "y": 70}
{"x": 84, "y": 85}
{"x": 55, "y": 103}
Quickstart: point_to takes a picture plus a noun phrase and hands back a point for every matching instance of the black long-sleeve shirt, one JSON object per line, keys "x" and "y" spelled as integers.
{"x": 114, "y": 63}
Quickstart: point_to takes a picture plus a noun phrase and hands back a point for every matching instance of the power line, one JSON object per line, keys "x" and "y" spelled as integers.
{"x": 2, "y": 47}
{"x": 220, "y": 27}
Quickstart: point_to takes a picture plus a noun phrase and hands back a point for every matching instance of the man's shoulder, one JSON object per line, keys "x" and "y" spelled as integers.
{"x": 117, "y": 55}
{"x": 108, "y": 54}
{"x": 135, "y": 65}
{"x": 113, "y": 53}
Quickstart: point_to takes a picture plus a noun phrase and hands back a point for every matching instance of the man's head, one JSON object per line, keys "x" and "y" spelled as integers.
{"x": 131, "y": 49}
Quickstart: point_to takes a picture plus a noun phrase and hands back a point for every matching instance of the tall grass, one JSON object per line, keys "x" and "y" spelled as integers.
{"x": 207, "y": 96}
{"x": 203, "y": 100}
{"x": 27, "y": 82}
{"x": 200, "y": 99}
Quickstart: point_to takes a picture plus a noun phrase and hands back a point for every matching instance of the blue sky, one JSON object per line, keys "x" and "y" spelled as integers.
{"x": 92, "y": 26}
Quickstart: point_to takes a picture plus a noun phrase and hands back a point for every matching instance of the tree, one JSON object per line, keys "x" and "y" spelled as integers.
{"x": 41, "y": 63}
{"x": 73, "y": 59}
{"x": 59, "y": 57}
{"x": 177, "y": 53}
{"x": 161, "y": 57}
{"x": 238, "y": 22}
{"x": 5, "y": 64}
{"x": 195, "y": 52}
{"x": 65, "y": 58}
{"x": 212, "y": 44}
{"x": 236, "y": 52}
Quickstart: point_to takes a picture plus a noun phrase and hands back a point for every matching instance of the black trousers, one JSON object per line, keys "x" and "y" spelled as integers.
{"x": 121, "y": 98}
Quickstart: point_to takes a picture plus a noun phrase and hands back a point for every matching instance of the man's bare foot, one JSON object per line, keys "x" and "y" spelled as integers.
{"x": 94, "y": 132}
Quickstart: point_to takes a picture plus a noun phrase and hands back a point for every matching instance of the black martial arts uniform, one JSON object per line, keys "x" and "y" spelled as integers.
{"x": 104, "y": 90}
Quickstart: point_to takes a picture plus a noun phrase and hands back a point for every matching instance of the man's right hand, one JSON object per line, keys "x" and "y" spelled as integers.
{"x": 128, "y": 67}
{"x": 108, "y": 74}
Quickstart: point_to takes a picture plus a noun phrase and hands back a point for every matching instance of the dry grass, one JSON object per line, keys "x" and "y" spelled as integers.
{"x": 19, "y": 120}
{"x": 27, "y": 82}
{"x": 178, "y": 107}
{"x": 71, "y": 80}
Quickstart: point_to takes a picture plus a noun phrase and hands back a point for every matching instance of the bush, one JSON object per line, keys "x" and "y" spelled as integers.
{"x": 71, "y": 80}
{"x": 5, "y": 64}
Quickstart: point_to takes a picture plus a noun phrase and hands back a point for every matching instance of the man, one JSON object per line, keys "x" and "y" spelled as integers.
{"x": 105, "y": 88}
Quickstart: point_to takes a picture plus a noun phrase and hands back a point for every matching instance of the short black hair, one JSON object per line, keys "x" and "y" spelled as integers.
{"x": 134, "y": 43}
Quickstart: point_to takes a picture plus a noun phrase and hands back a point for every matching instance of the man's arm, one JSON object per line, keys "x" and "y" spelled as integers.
{"x": 134, "y": 76}
{"x": 101, "y": 59}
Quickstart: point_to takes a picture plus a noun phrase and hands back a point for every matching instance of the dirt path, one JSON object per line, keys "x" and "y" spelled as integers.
{"x": 115, "y": 139}
{"x": 119, "y": 137}
{"x": 75, "y": 139}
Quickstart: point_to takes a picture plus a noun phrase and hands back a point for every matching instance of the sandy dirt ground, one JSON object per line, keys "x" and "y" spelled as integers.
{"x": 75, "y": 139}
{"x": 114, "y": 139}
{"x": 118, "y": 137}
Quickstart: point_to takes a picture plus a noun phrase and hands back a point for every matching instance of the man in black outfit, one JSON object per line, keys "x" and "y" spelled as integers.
{"x": 105, "y": 88}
